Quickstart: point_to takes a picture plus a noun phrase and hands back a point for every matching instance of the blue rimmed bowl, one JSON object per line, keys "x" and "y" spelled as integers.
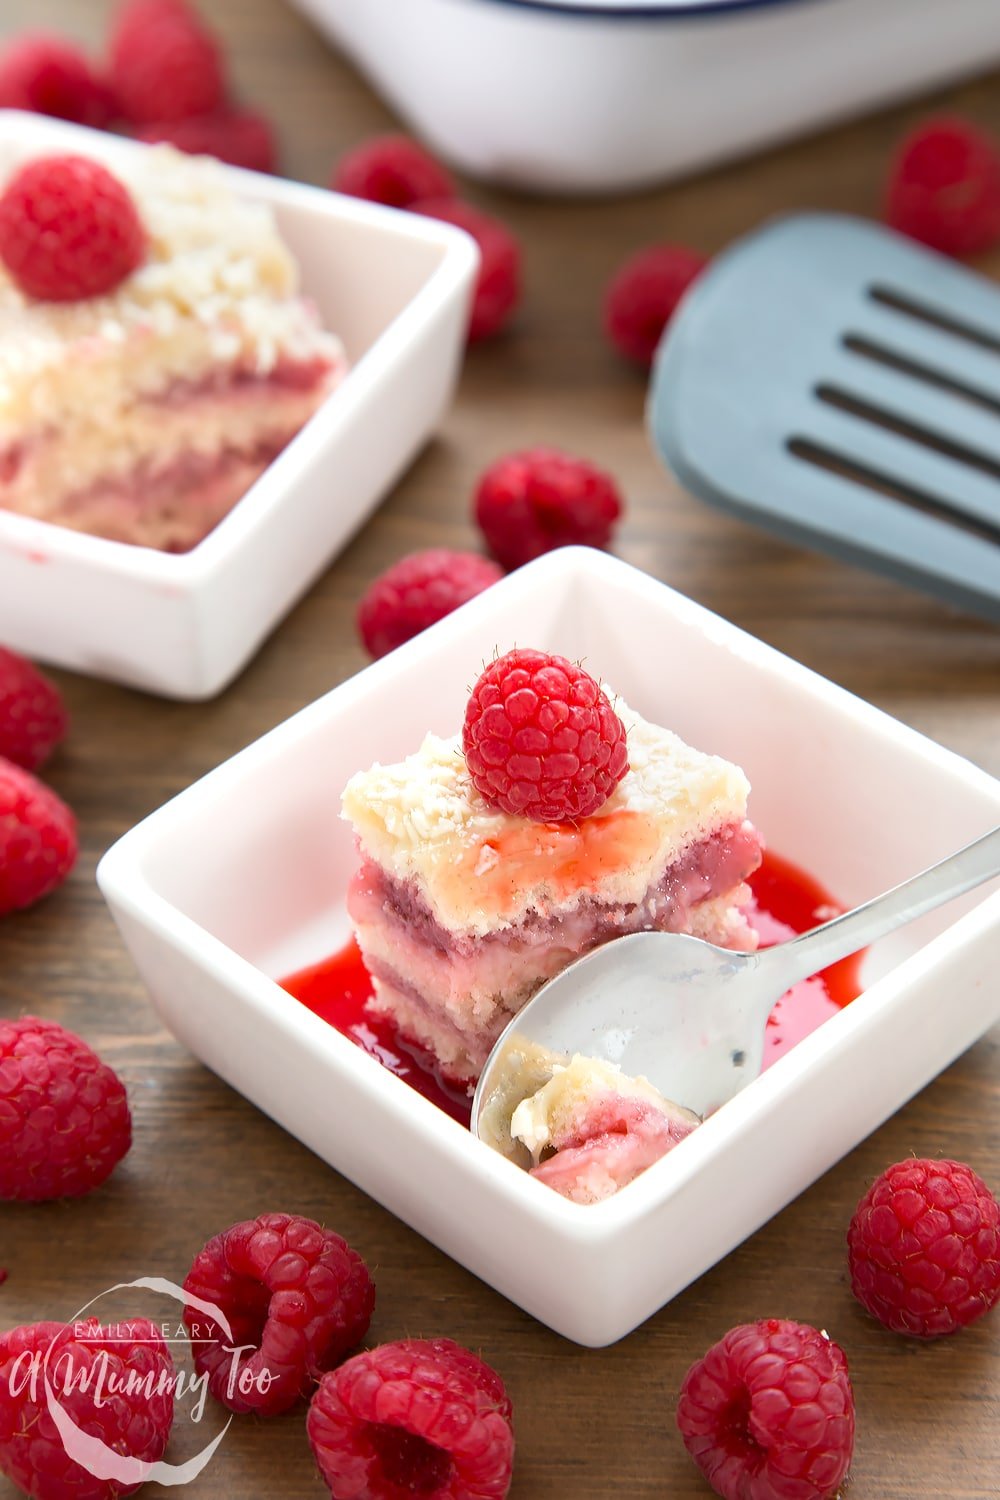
{"x": 598, "y": 96}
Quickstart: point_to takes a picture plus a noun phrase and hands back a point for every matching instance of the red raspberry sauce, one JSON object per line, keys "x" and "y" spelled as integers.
{"x": 786, "y": 901}
{"x": 338, "y": 989}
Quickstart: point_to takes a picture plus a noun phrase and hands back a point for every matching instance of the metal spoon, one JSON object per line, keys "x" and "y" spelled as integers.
{"x": 687, "y": 1015}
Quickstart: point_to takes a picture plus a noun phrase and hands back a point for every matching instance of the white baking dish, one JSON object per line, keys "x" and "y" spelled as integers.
{"x": 395, "y": 287}
{"x": 597, "y": 96}
{"x": 241, "y": 880}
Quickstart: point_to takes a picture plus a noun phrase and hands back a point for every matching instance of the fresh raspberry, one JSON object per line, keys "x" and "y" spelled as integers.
{"x": 164, "y": 63}
{"x": 68, "y": 229}
{"x": 391, "y": 169}
{"x": 924, "y": 1248}
{"x": 768, "y": 1413}
{"x": 498, "y": 284}
{"x": 33, "y": 718}
{"x": 417, "y": 1417}
{"x": 541, "y": 740}
{"x": 88, "y": 1369}
{"x": 37, "y": 839}
{"x": 529, "y": 503}
{"x": 298, "y": 1293}
{"x": 417, "y": 591}
{"x": 43, "y": 73}
{"x": 944, "y": 188}
{"x": 241, "y": 137}
{"x": 64, "y": 1115}
{"x": 642, "y": 295}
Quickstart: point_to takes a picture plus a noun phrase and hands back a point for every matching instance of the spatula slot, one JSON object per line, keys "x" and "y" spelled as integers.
{"x": 849, "y": 468}
{"x": 892, "y": 422}
{"x": 902, "y": 302}
{"x": 840, "y": 385}
{"x": 905, "y": 364}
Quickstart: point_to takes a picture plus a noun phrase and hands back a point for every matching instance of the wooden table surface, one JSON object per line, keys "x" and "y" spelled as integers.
{"x": 590, "y": 1424}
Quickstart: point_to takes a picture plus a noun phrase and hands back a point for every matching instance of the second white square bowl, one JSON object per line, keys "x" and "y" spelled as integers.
{"x": 395, "y": 287}
{"x": 241, "y": 880}
{"x": 612, "y": 95}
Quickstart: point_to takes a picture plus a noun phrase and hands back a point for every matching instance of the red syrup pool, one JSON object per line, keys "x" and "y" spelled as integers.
{"x": 338, "y": 989}
{"x": 786, "y": 901}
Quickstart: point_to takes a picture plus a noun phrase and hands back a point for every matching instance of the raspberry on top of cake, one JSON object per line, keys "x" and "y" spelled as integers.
{"x": 463, "y": 908}
{"x": 142, "y": 413}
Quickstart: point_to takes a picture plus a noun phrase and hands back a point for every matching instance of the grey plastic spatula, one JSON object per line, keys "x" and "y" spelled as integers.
{"x": 841, "y": 385}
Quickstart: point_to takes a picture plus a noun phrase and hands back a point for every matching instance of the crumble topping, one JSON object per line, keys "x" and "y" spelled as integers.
{"x": 218, "y": 287}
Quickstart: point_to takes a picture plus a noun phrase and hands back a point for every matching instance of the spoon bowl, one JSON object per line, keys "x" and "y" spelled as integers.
{"x": 685, "y": 1014}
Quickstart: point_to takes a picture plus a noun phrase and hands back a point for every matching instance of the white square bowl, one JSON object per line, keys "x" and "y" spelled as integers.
{"x": 395, "y": 287}
{"x": 241, "y": 880}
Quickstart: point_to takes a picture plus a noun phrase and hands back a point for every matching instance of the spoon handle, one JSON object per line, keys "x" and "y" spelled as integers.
{"x": 806, "y": 955}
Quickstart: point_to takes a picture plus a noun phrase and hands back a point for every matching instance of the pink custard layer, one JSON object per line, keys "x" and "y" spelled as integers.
{"x": 615, "y": 1140}
{"x": 173, "y": 508}
{"x": 454, "y": 993}
{"x": 234, "y": 380}
{"x": 175, "y": 494}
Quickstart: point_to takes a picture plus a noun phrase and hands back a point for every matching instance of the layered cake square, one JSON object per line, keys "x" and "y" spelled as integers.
{"x": 463, "y": 909}
{"x": 143, "y": 415}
